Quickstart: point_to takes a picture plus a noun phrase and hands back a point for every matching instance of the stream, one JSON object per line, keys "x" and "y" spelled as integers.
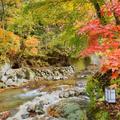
{"x": 12, "y": 98}
{"x": 50, "y": 100}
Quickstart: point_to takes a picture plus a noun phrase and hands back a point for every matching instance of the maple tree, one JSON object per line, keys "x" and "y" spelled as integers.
{"x": 104, "y": 39}
{"x": 111, "y": 8}
{"x": 9, "y": 42}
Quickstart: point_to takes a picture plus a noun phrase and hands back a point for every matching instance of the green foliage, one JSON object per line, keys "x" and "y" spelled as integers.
{"x": 53, "y": 22}
{"x": 95, "y": 93}
{"x": 3, "y": 59}
{"x": 22, "y": 25}
{"x": 102, "y": 115}
{"x": 118, "y": 115}
{"x": 94, "y": 89}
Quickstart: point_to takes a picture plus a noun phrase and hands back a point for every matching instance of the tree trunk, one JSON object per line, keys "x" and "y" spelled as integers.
{"x": 97, "y": 8}
{"x": 3, "y": 17}
{"x": 3, "y": 10}
{"x": 117, "y": 19}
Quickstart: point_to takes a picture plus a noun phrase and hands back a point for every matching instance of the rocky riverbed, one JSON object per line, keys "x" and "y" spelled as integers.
{"x": 66, "y": 102}
{"x": 41, "y": 108}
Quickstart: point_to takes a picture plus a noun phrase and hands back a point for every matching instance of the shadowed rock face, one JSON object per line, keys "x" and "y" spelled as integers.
{"x": 58, "y": 56}
{"x": 15, "y": 77}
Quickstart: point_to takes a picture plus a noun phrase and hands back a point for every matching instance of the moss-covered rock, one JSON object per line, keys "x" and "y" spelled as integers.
{"x": 69, "y": 110}
{"x": 73, "y": 111}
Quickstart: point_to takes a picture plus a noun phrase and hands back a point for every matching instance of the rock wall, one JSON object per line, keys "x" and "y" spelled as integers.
{"x": 16, "y": 77}
{"x": 54, "y": 73}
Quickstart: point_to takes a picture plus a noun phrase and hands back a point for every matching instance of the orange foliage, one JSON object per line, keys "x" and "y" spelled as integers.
{"x": 32, "y": 45}
{"x": 52, "y": 111}
{"x": 34, "y": 51}
{"x": 32, "y": 42}
{"x": 1, "y": 33}
{"x": 10, "y": 41}
{"x": 114, "y": 86}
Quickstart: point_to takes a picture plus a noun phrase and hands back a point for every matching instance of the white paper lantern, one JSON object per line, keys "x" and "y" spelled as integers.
{"x": 110, "y": 95}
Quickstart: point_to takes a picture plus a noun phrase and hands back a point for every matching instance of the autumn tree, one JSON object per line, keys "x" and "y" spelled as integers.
{"x": 104, "y": 38}
{"x": 53, "y": 22}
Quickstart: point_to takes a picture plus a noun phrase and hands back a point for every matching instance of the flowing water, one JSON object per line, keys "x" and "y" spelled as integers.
{"x": 12, "y": 98}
